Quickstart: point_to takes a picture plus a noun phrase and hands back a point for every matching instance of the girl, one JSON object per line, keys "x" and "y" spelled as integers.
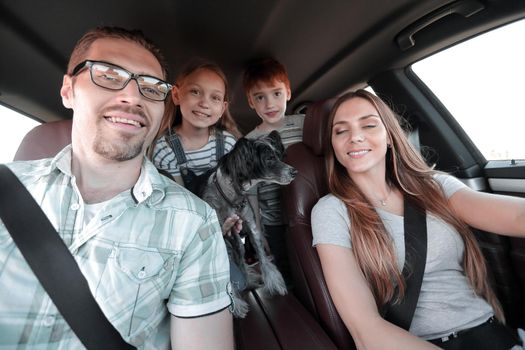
{"x": 198, "y": 129}
{"x": 358, "y": 233}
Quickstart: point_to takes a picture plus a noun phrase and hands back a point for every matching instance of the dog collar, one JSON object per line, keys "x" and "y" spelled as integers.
{"x": 237, "y": 206}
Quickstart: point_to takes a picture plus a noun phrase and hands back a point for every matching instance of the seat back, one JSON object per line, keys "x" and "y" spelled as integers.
{"x": 298, "y": 200}
{"x": 45, "y": 140}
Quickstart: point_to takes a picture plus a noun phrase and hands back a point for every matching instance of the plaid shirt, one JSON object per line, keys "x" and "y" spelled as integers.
{"x": 150, "y": 251}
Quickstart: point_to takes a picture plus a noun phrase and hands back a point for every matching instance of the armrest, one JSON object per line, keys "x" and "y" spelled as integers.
{"x": 279, "y": 322}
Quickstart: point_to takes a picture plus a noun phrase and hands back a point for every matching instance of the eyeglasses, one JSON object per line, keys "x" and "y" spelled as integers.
{"x": 113, "y": 77}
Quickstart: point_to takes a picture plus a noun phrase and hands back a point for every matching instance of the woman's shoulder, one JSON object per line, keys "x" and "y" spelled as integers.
{"x": 327, "y": 203}
{"x": 450, "y": 184}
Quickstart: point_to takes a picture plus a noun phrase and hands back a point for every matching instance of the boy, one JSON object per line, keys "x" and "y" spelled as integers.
{"x": 267, "y": 89}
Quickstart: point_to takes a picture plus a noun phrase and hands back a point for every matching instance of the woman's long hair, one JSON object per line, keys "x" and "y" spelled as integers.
{"x": 407, "y": 171}
{"x": 172, "y": 115}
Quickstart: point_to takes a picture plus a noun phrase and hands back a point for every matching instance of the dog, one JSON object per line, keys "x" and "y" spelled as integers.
{"x": 250, "y": 162}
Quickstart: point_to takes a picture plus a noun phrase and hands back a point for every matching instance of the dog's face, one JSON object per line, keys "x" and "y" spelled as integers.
{"x": 258, "y": 160}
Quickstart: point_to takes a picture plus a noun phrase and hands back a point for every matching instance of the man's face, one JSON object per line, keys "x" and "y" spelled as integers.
{"x": 117, "y": 125}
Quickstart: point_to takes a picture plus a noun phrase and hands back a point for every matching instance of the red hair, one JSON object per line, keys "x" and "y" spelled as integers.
{"x": 266, "y": 71}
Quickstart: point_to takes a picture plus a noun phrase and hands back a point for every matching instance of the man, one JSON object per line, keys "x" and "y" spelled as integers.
{"x": 152, "y": 253}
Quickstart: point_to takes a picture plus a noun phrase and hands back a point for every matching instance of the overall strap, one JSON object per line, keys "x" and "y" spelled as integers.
{"x": 54, "y": 266}
{"x": 219, "y": 144}
{"x": 415, "y": 227}
{"x": 176, "y": 146}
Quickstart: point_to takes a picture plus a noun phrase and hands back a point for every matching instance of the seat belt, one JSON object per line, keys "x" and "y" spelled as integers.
{"x": 54, "y": 266}
{"x": 415, "y": 226}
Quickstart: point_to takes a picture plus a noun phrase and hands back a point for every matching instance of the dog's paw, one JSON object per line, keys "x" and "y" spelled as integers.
{"x": 253, "y": 277}
{"x": 240, "y": 307}
{"x": 273, "y": 280}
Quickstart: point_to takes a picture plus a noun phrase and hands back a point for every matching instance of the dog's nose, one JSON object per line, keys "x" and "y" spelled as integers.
{"x": 293, "y": 172}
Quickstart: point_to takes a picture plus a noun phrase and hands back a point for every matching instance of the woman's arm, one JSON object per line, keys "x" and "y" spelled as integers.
{"x": 504, "y": 215}
{"x": 356, "y": 305}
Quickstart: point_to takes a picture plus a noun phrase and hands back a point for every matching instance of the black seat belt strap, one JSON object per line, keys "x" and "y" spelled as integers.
{"x": 53, "y": 265}
{"x": 415, "y": 226}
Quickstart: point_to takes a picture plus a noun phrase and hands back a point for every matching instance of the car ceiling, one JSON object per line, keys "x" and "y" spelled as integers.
{"x": 327, "y": 46}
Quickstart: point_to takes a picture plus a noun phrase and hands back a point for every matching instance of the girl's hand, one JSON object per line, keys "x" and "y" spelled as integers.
{"x": 233, "y": 224}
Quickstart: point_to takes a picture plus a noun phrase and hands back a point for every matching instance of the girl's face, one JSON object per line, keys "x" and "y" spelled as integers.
{"x": 201, "y": 98}
{"x": 359, "y": 138}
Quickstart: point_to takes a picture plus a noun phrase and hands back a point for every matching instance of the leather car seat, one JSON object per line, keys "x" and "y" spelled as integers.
{"x": 298, "y": 199}
{"x": 45, "y": 140}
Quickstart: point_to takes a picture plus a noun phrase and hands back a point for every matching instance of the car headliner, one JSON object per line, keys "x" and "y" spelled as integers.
{"x": 327, "y": 46}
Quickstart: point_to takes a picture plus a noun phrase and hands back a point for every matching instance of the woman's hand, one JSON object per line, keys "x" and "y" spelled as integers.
{"x": 233, "y": 224}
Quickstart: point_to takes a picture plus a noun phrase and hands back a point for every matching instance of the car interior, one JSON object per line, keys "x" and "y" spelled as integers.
{"x": 328, "y": 47}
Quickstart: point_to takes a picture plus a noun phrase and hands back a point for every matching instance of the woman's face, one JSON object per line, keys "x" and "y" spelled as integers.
{"x": 201, "y": 98}
{"x": 359, "y": 138}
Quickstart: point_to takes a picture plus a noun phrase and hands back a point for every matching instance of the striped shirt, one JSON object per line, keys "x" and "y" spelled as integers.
{"x": 149, "y": 252}
{"x": 269, "y": 195}
{"x": 198, "y": 160}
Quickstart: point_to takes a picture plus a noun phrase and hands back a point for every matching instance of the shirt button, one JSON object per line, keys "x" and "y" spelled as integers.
{"x": 49, "y": 320}
{"x": 142, "y": 274}
{"x": 75, "y": 206}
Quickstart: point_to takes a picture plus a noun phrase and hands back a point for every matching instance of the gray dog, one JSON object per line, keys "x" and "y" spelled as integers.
{"x": 247, "y": 164}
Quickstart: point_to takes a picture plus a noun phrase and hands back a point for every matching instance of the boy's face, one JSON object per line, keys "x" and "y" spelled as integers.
{"x": 269, "y": 101}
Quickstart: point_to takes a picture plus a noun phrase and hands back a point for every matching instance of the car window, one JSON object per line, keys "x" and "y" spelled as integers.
{"x": 14, "y": 127}
{"x": 480, "y": 82}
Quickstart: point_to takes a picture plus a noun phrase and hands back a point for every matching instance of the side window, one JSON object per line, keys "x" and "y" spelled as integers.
{"x": 480, "y": 81}
{"x": 14, "y": 127}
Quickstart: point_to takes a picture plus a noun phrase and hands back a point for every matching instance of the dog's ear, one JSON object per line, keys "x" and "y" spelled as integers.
{"x": 275, "y": 140}
{"x": 240, "y": 162}
{"x": 275, "y": 137}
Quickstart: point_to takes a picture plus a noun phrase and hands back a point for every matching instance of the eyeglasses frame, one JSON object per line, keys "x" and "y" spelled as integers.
{"x": 87, "y": 64}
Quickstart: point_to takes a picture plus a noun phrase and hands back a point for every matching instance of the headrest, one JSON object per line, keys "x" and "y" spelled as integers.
{"x": 45, "y": 140}
{"x": 315, "y": 124}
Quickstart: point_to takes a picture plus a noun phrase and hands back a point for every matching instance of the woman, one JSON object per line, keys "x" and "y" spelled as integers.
{"x": 358, "y": 232}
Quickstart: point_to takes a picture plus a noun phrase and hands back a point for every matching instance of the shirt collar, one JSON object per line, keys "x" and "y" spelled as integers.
{"x": 149, "y": 186}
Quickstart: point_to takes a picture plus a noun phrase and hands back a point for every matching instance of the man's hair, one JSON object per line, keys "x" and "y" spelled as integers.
{"x": 267, "y": 70}
{"x": 136, "y": 36}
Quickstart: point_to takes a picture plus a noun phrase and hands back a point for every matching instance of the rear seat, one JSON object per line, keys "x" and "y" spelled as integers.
{"x": 298, "y": 199}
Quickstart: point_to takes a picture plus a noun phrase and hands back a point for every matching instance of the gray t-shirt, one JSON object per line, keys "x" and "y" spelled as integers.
{"x": 446, "y": 302}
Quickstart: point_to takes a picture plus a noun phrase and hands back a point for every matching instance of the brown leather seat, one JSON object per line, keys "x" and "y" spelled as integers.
{"x": 298, "y": 199}
{"x": 45, "y": 140}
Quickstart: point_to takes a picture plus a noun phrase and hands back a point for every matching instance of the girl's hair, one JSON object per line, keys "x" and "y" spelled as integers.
{"x": 407, "y": 171}
{"x": 172, "y": 115}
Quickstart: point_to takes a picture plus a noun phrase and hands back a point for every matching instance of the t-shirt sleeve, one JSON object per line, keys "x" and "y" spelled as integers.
{"x": 163, "y": 156}
{"x": 330, "y": 222}
{"x": 229, "y": 142}
{"x": 449, "y": 184}
{"x": 203, "y": 274}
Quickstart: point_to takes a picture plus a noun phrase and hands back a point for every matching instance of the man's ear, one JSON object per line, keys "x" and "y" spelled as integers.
{"x": 288, "y": 93}
{"x": 66, "y": 91}
{"x": 175, "y": 95}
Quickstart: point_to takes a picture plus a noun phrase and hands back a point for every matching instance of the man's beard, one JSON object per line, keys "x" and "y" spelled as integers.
{"x": 119, "y": 150}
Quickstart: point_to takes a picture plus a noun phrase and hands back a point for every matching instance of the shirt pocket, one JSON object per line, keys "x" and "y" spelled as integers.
{"x": 139, "y": 264}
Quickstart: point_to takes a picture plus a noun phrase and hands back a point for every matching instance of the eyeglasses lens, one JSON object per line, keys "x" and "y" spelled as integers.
{"x": 116, "y": 78}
